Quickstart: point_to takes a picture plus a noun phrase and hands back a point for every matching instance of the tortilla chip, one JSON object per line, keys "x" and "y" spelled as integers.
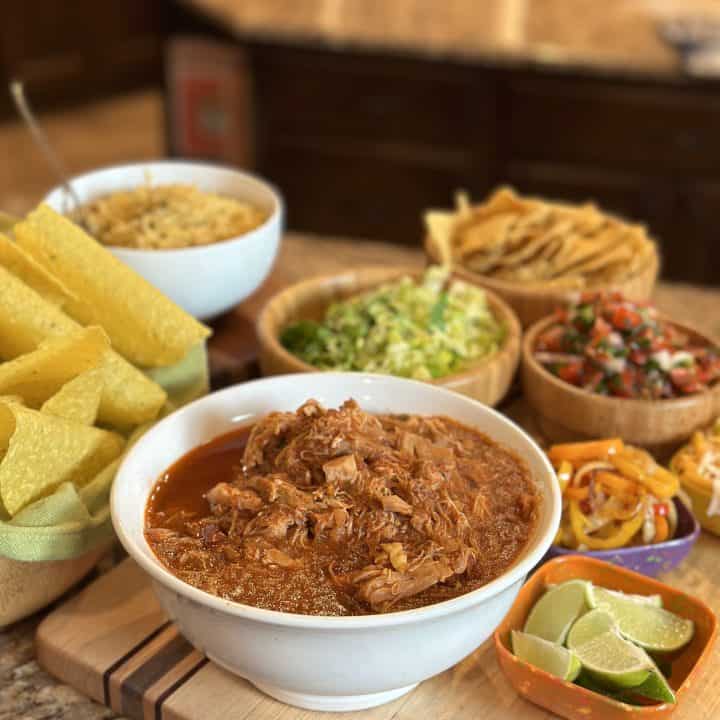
{"x": 617, "y": 254}
{"x": 532, "y": 241}
{"x": 38, "y": 375}
{"x": 79, "y": 399}
{"x": 43, "y": 451}
{"x": 484, "y": 236}
{"x": 6, "y": 222}
{"x": 144, "y": 326}
{"x": 23, "y": 266}
{"x": 26, "y": 320}
{"x": 506, "y": 200}
{"x": 440, "y": 227}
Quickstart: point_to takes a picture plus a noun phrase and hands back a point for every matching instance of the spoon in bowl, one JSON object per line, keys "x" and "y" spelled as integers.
{"x": 41, "y": 139}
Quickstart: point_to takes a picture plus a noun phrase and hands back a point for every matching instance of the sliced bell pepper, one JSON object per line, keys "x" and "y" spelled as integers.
{"x": 661, "y": 483}
{"x": 581, "y": 452}
{"x": 620, "y": 538}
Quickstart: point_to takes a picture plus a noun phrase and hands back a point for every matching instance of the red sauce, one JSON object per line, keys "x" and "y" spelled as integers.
{"x": 339, "y": 512}
{"x": 184, "y": 484}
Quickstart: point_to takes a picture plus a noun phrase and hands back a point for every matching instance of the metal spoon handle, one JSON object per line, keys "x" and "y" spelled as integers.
{"x": 41, "y": 139}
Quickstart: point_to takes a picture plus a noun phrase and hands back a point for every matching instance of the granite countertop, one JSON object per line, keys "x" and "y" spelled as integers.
{"x": 617, "y": 37}
{"x": 26, "y": 691}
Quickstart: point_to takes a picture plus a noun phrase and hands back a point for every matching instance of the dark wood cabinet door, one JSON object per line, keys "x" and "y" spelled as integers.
{"x": 361, "y": 194}
{"x": 393, "y": 102}
{"x": 69, "y": 50}
{"x": 645, "y": 128}
{"x": 698, "y": 233}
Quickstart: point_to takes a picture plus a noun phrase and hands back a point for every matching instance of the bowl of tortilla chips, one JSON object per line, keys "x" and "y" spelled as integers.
{"x": 91, "y": 355}
{"x": 205, "y": 235}
{"x": 536, "y": 254}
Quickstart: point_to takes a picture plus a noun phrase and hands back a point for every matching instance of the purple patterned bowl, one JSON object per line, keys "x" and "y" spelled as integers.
{"x": 647, "y": 559}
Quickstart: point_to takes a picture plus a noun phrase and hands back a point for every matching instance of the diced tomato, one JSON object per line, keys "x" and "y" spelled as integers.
{"x": 603, "y": 327}
{"x": 685, "y": 380}
{"x": 624, "y": 384}
{"x": 625, "y": 319}
{"x": 703, "y": 376}
{"x": 593, "y": 380}
{"x": 681, "y": 376}
{"x": 600, "y": 330}
{"x": 637, "y": 356}
{"x": 570, "y": 372}
{"x": 551, "y": 339}
{"x": 661, "y": 509}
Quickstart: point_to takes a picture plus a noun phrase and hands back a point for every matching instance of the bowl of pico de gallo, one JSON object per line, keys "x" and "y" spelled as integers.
{"x": 605, "y": 366}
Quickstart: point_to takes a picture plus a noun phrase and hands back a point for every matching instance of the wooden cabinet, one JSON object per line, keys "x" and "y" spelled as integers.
{"x": 362, "y": 146}
{"x": 642, "y": 128}
{"x": 360, "y": 143}
{"x": 68, "y": 51}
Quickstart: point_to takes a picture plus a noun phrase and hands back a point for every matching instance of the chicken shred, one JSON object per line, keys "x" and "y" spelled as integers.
{"x": 337, "y": 511}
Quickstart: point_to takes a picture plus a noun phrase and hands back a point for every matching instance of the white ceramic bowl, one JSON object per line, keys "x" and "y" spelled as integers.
{"x": 205, "y": 280}
{"x": 326, "y": 663}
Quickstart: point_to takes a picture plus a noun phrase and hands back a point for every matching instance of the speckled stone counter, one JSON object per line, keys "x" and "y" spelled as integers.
{"x": 609, "y": 37}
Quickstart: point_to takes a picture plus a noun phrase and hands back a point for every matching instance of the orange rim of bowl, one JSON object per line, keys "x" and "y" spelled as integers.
{"x": 653, "y": 585}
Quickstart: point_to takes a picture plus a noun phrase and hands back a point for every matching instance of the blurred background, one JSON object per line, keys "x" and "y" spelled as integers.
{"x": 366, "y": 112}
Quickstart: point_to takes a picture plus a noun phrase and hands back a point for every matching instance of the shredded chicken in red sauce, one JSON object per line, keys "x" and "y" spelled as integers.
{"x": 340, "y": 512}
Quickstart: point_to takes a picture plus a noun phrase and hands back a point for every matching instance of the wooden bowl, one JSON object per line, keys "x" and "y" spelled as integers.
{"x": 487, "y": 381}
{"x": 567, "y": 413}
{"x": 531, "y": 303}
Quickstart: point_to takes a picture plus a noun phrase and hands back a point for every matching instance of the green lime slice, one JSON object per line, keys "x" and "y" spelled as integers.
{"x": 590, "y": 625}
{"x": 598, "y": 596}
{"x": 614, "y": 661}
{"x": 652, "y": 628}
{"x": 655, "y": 688}
{"x": 547, "y": 656}
{"x": 555, "y": 612}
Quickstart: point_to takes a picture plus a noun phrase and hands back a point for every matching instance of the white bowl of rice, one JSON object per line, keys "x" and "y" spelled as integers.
{"x": 205, "y": 235}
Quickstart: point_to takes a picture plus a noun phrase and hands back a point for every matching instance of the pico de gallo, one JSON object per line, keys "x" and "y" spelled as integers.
{"x": 612, "y": 346}
{"x": 614, "y": 495}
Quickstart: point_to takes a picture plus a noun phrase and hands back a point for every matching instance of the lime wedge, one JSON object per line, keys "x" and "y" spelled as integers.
{"x": 614, "y": 661}
{"x": 555, "y": 612}
{"x": 655, "y": 688}
{"x": 598, "y": 596}
{"x": 547, "y": 656}
{"x": 650, "y": 627}
{"x": 589, "y": 626}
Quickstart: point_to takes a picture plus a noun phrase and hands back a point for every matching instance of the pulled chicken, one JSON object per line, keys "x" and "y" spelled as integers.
{"x": 340, "y": 512}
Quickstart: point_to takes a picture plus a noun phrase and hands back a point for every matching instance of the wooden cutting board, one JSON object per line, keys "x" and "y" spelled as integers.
{"x": 113, "y": 643}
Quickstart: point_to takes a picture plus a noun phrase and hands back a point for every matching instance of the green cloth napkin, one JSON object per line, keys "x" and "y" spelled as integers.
{"x": 73, "y": 521}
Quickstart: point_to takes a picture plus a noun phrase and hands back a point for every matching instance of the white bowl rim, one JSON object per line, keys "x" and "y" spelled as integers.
{"x": 277, "y": 212}
{"x": 163, "y": 576}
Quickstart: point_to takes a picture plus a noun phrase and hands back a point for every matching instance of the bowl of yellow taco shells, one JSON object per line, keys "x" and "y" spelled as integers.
{"x": 537, "y": 254}
{"x": 91, "y": 355}
{"x": 697, "y": 464}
